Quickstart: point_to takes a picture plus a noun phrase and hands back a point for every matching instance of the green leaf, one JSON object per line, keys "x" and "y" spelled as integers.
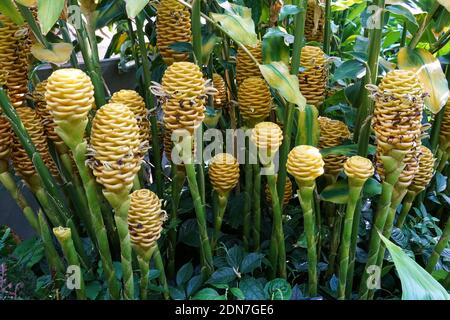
{"x": 344, "y": 150}
{"x": 193, "y": 285}
{"x": 308, "y": 126}
{"x": 239, "y": 24}
{"x": 288, "y": 10}
{"x": 431, "y": 76}
{"x": 8, "y": 8}
{"x": 278, "y": 289}
{"x": 235, "y": 256}
{"x": 274, "y": 46}
{"x": 341, "y": 5}
{"x": 417, "y": 283}
{"x": 134, "y": 7}
{"x": 222, "y": 276}
{"x": 278, "y": 77}
{"x": 153, "y": 274}
{"x": 350, "y": 69}
{"x": 93, "y": 289}
{"x": 372, "y": 188}
{"x": 207, "y": 294}
{"x": 238, "y": 293}
{"x": 107, "y": 12}
{"x": 336, "y": 193}
{"x": 185, "y": 273}
{"x": 251, "y": 262}
{"x": 208, "y": 44}
{"x": 177, "y": 293}
{"x": 403, "y": 12}
{"x": 252, "y": 289}
{"x": 49, "y": 12}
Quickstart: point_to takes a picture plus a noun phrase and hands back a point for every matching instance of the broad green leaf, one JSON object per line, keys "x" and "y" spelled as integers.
{"x": 59, "y": 54}
{"x": 341, "y": 5}
{"x": 344, "y": 150}
{"x": 184, "y": 274}
{"x": 251, "y": 262}
{"x": 108, "y": 11}
{"x": 252, "y": 289}
{"x": 308, "y": 126}
{"x": 336, "y": 193}
{"x": 350, "y": 69}
{"x": 278, "y": 289}
{"x": 403, "y": 12}
{"x": 288, "y": 10}
{"x": 222, "y": 276}
{"x": 207, "y": 294}
{"x": 49, "y": 12}
{"x": 278, "y": 77}
{"x": 241, "y": 29}
{"x": 417, "y": 283}
{"x": 27, "y": 3}
{"x": 275, "y": 46}
{"x": 208, "y": 44}
{"x": 430, "y": 74}
{"x": 8, "y": 8}
{"x": 445, "y": 4}
{"x": 237, "y": 293}
{"x": 134, "y": 7}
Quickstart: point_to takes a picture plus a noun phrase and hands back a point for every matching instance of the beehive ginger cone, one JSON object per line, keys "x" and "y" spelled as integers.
{"x": 332, "y": 134}
{"x": 255, "y": 100}
{"x": 70, "y": 98}
{"x": 314, "y": 75}
{"x": 115, "y": 143}
{"x": 6, "y": 140}
{"x": 425, "y": 171}
{"x": 145, "y": 219}
{"x": 358, "y": 170}
{"x": 223, "y": 172}
{"x": 314, "y": 21}
{"x": 173, "y": 24}
{"x": 305, "y": 164}
{"x": 245, "y": 66}
{"x": 22, "y": 163}
{"x": 444, "y": 134}
{"x": 220, "y": 99}
{"x": 397, "y": 121}
{"x": 136, "y": 104}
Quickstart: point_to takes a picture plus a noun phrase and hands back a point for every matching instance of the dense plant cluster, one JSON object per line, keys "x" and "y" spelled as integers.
{"x": 271, "y": 149}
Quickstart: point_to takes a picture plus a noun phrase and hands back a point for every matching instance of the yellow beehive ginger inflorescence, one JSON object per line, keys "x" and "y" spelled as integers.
{"x": 220, "y": 99}
{"x": 255, "y": 100}
{"x": 115, "y": 146}
{"x": 314, "y": 21}
{"x": 397, "y": 121}
{"x": 22, "y": 163}
{"x": 358, "y": 168}
{"x": 314, "y": 76}
{"x": 444, "y": 134}
{"x": 44, "y": 113}
{"x": 223, "y": 172}
{"x": 425, "y": 173}
{"x": 286, "y": 196}
{"x": 145, "y": 218}
{"x": 70, "y": 98}
{"x": 305, "y": 163}
{"x": 14, "y": 59}
{"x": 136, "y": 104}
{"x": 183, "y": 98}
{"x": 332, "y": 134}
{"x": 173, "y": 24}
{"x": 267, "y": 136}
{"x": 245, "y": 66}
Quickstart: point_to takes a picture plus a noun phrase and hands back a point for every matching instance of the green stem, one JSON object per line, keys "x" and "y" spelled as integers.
{"x": 205, "y": 246}
{"x": 52, "y": 255}
{"x": 354, "y": 193}
{"x": 335, "y": 238}
{"x": 156, "y": 155}
{"x": 178, "y": 178}
{"x": 7, "y": 180}
{"x": 440, "y": 246}
{"x": 352, "y": 256}
{"x": 256, "y": 207}
{"x": 327, "y": 29}
{"x": 365, "y": 109}
{"x": 404, "y": 33}
{"x": 299, "y": 22}
{"x": 162, "y": 274}
{"x": 196, "y": 31}
{"x": 144, "y": 255}
{"x": 66, "y": 36}
{"x": 407, "y": 204}
{"x": 248, "y": 202}
{"x": 79, "y": 154}
{"x": 429, "y": 17}
{"x": 65, "y": 240}
{"x": 277, "y": 231}
{"x": 121, "y": 203}
{"x": 221, "y": 202}
{"x": 305, "y": 194}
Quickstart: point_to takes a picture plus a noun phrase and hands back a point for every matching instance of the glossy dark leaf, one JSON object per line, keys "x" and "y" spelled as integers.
{"x": 184, "y": 274}
{"x": 351, "y": 69}
{"x": 222, "y": 276}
